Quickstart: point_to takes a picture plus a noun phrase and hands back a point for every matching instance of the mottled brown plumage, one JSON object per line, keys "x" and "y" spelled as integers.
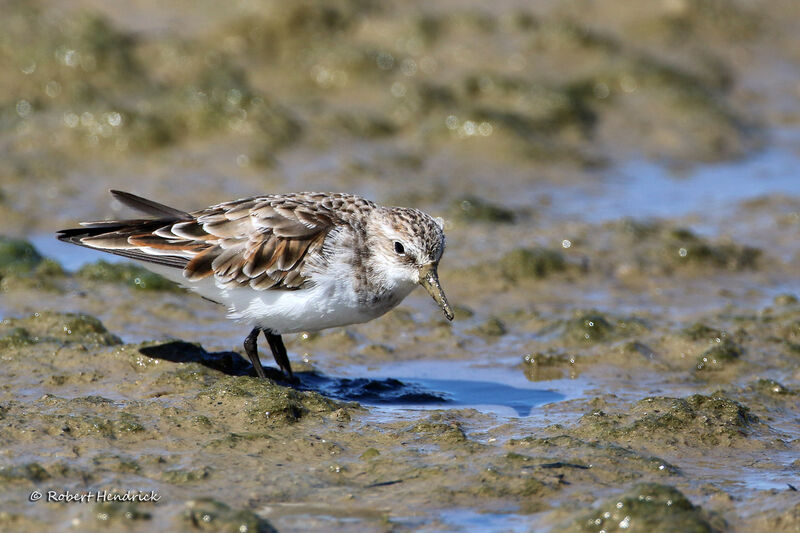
{"x": 261, "y": 241}
{"x": 286, "y": 262}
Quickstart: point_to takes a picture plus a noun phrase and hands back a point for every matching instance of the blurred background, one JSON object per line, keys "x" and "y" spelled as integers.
{"x": 621, "y": 193}
{"x": 196, "y": 102}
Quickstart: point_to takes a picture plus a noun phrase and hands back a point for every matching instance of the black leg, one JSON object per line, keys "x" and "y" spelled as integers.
{"x": 279, "y": 352}
{"x": 251, "y": 348}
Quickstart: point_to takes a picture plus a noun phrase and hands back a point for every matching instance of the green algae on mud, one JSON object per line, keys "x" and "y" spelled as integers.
{"x": 675, "y": 422}
{"x": 594, "y": 326}
{"x": 475, "y": 209}
{"x": 207, "y": 514}
{"x": 50, "y": 326}
{"x": 534, "y": 263}
{"x": 263, "y": 403}
{"x": 452, "y": 103}
{"x": 22, "y": 266}
{"x": 647, "y": 507}
{"x": 129, "y": 274}
{"x": 17, "y": 256}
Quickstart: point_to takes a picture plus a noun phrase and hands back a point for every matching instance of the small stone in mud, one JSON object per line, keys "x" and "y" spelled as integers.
{"x": 206, "y": 514}
{"x": 647, "y": 507}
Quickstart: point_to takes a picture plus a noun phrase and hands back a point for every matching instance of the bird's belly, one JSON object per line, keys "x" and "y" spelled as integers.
{"x": 330, "y": 303}
{"x": 310, "y": 309}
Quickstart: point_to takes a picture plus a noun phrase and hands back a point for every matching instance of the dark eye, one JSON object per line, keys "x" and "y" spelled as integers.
{"x": 399, "y": 248}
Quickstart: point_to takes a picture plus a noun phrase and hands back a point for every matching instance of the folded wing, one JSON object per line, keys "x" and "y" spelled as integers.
{"x": 261, "y": 242}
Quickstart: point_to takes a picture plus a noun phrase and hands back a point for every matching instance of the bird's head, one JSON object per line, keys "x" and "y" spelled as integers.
{"x": 405, "y": 248}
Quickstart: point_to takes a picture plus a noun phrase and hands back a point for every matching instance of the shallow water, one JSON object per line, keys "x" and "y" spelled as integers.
{"x": 643, "y": 341}
{"x": 486, "y": 387}
{"x": 70, "y": 256}
{"x": 644, "y": 189}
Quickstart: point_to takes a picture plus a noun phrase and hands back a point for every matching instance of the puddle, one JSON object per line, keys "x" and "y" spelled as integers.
{"x": 645, "y": 189}
{"x": 419, "y": 385}
{"x": 468, "y": 520}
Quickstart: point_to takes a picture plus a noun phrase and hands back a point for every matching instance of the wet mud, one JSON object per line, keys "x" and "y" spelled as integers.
{"x": 623, "y": 218}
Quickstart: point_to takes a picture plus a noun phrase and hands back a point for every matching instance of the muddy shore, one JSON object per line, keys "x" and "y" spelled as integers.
{"x": 623, "y": 220}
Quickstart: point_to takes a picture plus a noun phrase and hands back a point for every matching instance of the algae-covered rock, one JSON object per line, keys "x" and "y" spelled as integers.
{"x": 589, "y": 327}
{"x": 17, "y": 257}
{"x": 646, "y": 508}
{"x": 665, "y": 248}
{"x": 206, "y": 514}
{"x": 264, "y": 402}
{"x": 723, "y": 351}
{"x": 44, "y": 276}
{"x": 49, "y": 326}
{"x": 23, "y": 472}
{"x": 531, "y": 263}
{"x": 16, "y": 337}
{"x": 682, "y": 247}
{"x": 595, "y": 326}
{"x": 476, "y": 209}
{"x": 132, "y": 275}
{"x": 698, "y": 418}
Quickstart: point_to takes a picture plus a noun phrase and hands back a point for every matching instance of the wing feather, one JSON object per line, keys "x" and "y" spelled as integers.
{"x": 262, "y": 242}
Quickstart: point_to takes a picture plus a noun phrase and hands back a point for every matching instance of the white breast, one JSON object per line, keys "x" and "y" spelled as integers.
{"x": 330, "y": 301}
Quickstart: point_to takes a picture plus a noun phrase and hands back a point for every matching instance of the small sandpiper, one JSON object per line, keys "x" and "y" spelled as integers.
{"x": 283, "y": 263}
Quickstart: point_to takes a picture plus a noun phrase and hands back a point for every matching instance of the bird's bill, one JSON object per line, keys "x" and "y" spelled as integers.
{"x": 429, "y": 278}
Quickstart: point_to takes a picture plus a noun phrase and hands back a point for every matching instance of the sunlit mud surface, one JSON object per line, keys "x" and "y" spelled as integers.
{"x": 621, "y": 199}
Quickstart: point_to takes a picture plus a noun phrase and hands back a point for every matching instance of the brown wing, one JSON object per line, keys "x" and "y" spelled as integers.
{"x": 262, "y": 242}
